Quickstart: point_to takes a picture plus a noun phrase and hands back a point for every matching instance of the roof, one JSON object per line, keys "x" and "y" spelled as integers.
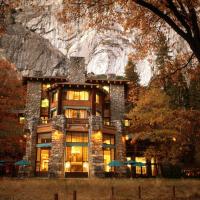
{"x": 107, "y": 81}
{"x": 44, "y": 78}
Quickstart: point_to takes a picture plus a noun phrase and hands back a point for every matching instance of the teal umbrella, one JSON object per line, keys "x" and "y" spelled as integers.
{"x": 22, "y": 163}
{"x": 116, "y": 163}
{"x": 139, "y": 164}
{"x": 130, "y": 162}
{"x": 134, "y": 163}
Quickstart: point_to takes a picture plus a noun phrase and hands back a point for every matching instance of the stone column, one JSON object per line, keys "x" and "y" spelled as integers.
{"x": 117, "y": 104}
{"x": 31, "y": 144}
{"x": 32, "y": 115}
{"x": 33, "y": 100}
{"x": 120, "y": 144}
{"x": 56, "y": 160}
{"x": 77, "y": 70}
{"x": 95, "y": 151}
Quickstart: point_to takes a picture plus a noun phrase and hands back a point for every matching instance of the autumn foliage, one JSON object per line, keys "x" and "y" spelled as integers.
{"x": 12, "y": 100}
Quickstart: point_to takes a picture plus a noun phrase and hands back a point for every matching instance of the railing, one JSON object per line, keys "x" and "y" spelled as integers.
{"x": 77, "y": 121}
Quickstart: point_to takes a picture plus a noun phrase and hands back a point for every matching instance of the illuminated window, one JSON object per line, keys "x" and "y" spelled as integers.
{"x": 108, "y": 139}
{"x": 44, "y": 138}
{"x": 54, "y": 97}
{"x": 42, "y": 160}
{"x": 76, "y": 113}
{"x": 77, "y": 137}
{"x": 97, "y": 98}
{"x": 108, "y": 155}
{"x": 76, "y": 159}
{"x": 106, "y": 121}
{"x": 127, "y": 122}
{"x": 53, "y": 113}
{"x": 77, "y": 95}
{"x": 107, "y": 88}
{"x": 98, "y": 113}
{"x": 141, "y": 170}
{"x": 45, "y": 86}
{"x": 44, "y": 119}
{"x": 45, "y": 103}
{"x": 21, "y": 119}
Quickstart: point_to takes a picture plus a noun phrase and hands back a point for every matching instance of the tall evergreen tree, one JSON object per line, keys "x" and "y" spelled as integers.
{"x": 132, "y": 75}
{"x": 175, "y": 86}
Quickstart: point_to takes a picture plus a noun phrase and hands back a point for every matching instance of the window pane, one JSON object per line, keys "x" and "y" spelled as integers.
{"x": 70, "y": 95}
{"x": 86, "y": 95}
{"x": 77, "y": 137}
{"x": 45, "y": 103}
{"x": 97, "y": 98}
{"x": 107, "y": 88}
{"x": 82, "y": 95}
{"x": 44, "y": 162}
{"x": 107, "y": 159}
{"x": 85, "y": 154}
{"x": 85, "y": 137}
{"x": 53, "y": 113}
{"x": 76, "y": 95}
{"x": 44, "y": 138}
{"x": 68, "y": 137}
{"x": 54, "y": 97}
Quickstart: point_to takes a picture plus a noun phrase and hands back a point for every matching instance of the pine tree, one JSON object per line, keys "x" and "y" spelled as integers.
{"x": 134, "y": 86}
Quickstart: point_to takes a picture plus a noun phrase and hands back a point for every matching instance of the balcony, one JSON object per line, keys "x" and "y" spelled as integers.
{"x": 76, "y": 124}
{"x": 109, "y": 129}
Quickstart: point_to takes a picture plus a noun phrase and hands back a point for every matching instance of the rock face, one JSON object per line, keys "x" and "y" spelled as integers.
{"x": 39, "y": 43}
{"x": 32, "y": 54}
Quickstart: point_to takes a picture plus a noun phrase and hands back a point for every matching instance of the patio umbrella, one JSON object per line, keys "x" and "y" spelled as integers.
{"x": 130, "y": 162}
{"x": 134, "y": 163}
{"x": 22, "y": 163}
{"x": 116, "y": 163}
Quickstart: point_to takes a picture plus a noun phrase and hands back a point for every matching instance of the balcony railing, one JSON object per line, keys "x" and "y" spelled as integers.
{"x": 77, "y": 121}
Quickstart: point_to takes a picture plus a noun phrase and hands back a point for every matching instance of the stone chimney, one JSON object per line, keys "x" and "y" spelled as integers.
{"x": 77, "y": 70}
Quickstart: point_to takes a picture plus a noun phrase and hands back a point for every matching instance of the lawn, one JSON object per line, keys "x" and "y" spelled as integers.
{"x": 97, "y": 189}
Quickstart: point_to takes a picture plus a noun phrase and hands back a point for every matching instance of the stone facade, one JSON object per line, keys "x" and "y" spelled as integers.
{"x": 117, "y": 102}
{"x": 32, "y": 119}
{"x": 56, "y": 162}
{"x": 120, "y": 152}
{"x": 77, "y": 70}
{"x": 95, "y": 157}
{"x": 31, "y": 143}
{"x": 33, "y": 100}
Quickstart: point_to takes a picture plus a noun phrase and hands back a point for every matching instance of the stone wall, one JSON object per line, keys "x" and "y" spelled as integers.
{"x": 95, "y": 152}
{"x": 31, "y": 143}
{"x": 32, "y": 114}
{"x": 56, "y": 161}
{"x": 120, "y": 152}
{"x": 117, "y": 102}
{"x": 77, "y": 70}
{"x": 33, "y": 100}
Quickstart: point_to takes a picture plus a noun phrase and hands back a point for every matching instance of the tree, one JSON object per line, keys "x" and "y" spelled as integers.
{"x": 12, "y": 99}
{"x": 134, "y": 86}
{"x": 169, "y": 131}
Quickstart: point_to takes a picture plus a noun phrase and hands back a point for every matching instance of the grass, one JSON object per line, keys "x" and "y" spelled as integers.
{"x": 97, "y": 189}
